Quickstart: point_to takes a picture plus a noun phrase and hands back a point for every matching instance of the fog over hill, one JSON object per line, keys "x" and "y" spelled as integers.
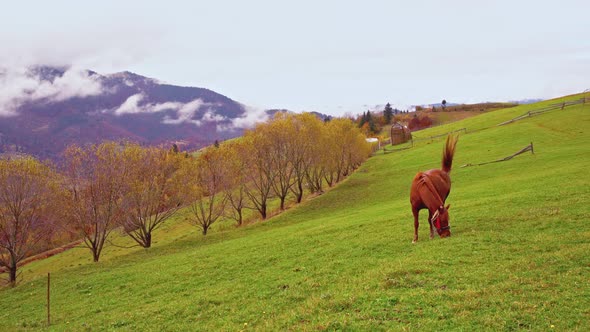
{"x": 43, "y": 109}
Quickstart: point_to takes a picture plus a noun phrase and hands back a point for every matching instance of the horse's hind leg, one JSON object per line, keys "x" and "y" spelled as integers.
{"x": 416, "y": 224}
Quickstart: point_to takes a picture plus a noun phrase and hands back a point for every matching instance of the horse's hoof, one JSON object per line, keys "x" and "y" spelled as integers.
{"x": 414, "y": 241}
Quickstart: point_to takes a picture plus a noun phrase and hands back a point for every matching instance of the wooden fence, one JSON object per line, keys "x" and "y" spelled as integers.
{"x": 525, "y": 149}
{"x": 549, "y": 108}
{"x": 552, "y": 107}
{"x": 419, "y": 139}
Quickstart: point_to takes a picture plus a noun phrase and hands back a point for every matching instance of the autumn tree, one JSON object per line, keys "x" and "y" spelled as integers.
{"x": 235, "y": 180}
{"x": 151, "y": 193}
{"x": 332, "y": 161}
{"x": 318, "y": 158}
{"x": 339, "y": 131}
{"x": 359, "y": 150}
{"x": 259, "y": 169}
{"x": 281, "y": 136}
{"x": 28, "y": 194}
{"x": 94, "y": 180}
{"x": 204, "y": 178}
{"x": 307, "y": 129}
{"x": 348, "y": 148}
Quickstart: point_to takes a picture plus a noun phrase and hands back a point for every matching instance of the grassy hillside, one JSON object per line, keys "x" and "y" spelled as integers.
{"x": 517, "y": 259}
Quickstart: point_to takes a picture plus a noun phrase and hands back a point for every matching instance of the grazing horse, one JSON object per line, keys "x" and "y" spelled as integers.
{"x": 429, "y": 191}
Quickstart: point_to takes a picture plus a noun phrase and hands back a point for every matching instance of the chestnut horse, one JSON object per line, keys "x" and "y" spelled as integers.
{"x": 429, "y": 191}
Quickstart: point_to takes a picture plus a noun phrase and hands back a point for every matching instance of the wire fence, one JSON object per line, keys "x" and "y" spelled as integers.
{"x": 386, "y": 151}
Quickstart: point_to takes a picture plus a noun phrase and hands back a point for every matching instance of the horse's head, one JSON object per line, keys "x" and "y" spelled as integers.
{"x": 440, "y": 220}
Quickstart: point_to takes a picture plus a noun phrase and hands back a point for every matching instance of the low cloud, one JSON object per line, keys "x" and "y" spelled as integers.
{"x": 252, "y": 116}
{"x": 132, "y": 106}
{"x": 185, "y": 112}
{"x": 20, "y": 85}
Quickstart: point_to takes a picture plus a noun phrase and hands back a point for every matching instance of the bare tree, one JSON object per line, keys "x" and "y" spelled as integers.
{"x": 95, "y": 183}
{"x": 204, "y": 184}
{"x": 28, "y": 192}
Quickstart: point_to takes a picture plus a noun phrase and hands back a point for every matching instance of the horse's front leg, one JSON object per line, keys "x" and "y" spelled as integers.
{"x": 430, "y": 223}
{"x": 416, "y": 224}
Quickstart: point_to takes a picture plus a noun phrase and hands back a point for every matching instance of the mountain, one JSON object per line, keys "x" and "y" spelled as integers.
{"x": 44, "y": 109}
{"x": 440, "y": 104}
{"x": 324, "y": 117}
{"x": 526, "y": 101}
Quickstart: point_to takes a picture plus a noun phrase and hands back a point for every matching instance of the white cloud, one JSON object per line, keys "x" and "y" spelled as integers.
{"x": 132, "y": 106}
{"x": 212, "y": 117}
{"x": 19, "y": 85}
{"x": 73, "y": 83}
{"x": 253, "y": 115}
{"x": 185, "y": 112}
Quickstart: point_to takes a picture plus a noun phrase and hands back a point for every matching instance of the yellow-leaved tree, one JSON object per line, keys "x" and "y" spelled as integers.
{"x": 204, "y": 187}
{"x": 306, "y": 152}
{"x": 151, "y": 194}
{"x": 235, "y": 180}
{"x": 29, "y": 195}
{"x": 259, "y": 171}
{"x": 280, "y": 136}
{"x": 95, "y": 182}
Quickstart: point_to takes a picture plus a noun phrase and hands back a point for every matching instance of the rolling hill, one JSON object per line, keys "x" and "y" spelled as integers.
{"x": 517, "y": 259}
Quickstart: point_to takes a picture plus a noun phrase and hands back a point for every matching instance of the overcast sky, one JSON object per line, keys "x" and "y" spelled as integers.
{"x": 327, "y": 56}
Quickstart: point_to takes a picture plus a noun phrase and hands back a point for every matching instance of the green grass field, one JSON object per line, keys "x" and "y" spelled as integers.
{"x": 518, "y": 259}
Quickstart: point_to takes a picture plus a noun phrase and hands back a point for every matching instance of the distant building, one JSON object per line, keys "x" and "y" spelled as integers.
{"x": 400, "y": 134}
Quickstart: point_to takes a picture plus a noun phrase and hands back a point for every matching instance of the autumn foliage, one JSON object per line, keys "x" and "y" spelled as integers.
{"x": 151, "y": 194}
{"x": 28, "y": 194}
{"x": 121, "y": 185}
{"x": 94, "y": 181}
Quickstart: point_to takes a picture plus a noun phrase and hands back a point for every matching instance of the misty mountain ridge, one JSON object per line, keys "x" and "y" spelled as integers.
{"x": 43, "y": 109}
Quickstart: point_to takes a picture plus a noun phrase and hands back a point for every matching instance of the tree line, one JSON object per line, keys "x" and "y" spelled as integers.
{"x": 371, "y": 123}
{"x": 123, "y": 185}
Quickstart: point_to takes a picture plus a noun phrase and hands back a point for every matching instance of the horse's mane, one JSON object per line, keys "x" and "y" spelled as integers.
{"x": 448, "y": 152}
{"x": 425, "y": 181}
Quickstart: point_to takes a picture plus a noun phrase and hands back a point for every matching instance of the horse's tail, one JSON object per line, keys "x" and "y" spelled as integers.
{"x": 448, "y": 152}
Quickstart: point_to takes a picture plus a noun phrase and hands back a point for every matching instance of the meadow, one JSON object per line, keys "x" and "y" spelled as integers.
{"x": 517, "y": 258}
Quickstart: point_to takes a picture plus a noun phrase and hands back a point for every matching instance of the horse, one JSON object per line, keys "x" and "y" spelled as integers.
{"x": 430, "y": 190}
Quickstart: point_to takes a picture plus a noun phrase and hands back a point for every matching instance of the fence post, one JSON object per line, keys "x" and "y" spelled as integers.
{"x": 532, "y": 149}
{"x": 48, "y": 298}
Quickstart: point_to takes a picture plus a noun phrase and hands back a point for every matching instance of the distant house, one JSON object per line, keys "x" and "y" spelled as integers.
{"x": 400, "y": 134}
